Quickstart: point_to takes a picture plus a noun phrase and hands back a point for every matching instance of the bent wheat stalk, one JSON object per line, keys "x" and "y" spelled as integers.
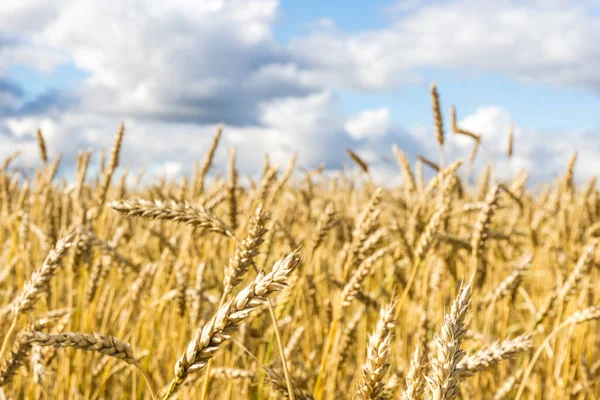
{"x": 37, "y": 285}
{"x": 196, "y": 216}
{"x": 106, "y": 345}
{"x": 232, "y": 313}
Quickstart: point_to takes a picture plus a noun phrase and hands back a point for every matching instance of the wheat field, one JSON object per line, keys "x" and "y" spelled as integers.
{"x": 299, "y": 285}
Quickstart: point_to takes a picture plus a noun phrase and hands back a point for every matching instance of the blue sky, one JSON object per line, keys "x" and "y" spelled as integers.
{"x": 36, "y": 83}
{"x": 310, "y": 77}
{"x": 300, "y": 17}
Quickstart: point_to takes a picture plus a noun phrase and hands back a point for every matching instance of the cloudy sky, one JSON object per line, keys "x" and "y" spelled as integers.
{"x": 305, "y": 76}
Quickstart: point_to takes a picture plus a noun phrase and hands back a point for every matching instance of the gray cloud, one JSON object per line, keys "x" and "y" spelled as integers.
{"x": 10, "y": 92}
{"x": 177, "y": 61}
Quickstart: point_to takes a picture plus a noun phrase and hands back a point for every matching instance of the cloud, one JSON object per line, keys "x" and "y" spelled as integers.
{"x": 369, "y": 124}
{"x": 537, "y": 41}
{"x": 178, "y": 61}
{"x": 543, "y": 154}
{"x": 10, "y": 92}
{"x": 18, "y": 50}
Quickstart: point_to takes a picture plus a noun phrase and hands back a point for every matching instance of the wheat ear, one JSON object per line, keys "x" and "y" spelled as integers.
{"x": 42, "y": 146}
{"x": 196, "y": 216}
{"x": 491, "y": 356}
{"x": 232, "y": 313}
{"x": 376, "y": 365}
{"x": 445, "y": 374}
{"x": 415, "y": 378}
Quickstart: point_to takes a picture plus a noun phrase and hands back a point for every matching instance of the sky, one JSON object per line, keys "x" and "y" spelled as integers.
{"x": 309, "y": 77}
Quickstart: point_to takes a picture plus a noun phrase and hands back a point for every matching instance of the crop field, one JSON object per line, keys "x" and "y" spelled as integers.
{"x": 299, "y": 284}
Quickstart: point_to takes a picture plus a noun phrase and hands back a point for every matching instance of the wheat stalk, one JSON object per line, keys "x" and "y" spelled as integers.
{"x": 415, "y": 378}
{"x": 232, "y": 313}
{"x": 208, "y": 160}
{"x": 437, "y": 115}
{"x": 246, "y": 251}
{"x": 491, "y": 356}
{"x": 359, "y": 161}
{"x": 42, "y": 146}
{"x": 445, "y": 375}
{"x": 376, "y": 365}
{"x": 196, "y": 216}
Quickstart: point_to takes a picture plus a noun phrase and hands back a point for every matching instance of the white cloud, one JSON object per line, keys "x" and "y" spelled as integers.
{"x": 543, "y": 154}
{"x": 369, "y": 124}
{"x": 531, "y": 40}
{"x": 42, "y": 58}
{"x": 171, "y": 169}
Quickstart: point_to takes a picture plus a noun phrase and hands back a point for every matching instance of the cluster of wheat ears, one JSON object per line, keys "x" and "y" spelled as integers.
{"x": 298, "y": 286}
